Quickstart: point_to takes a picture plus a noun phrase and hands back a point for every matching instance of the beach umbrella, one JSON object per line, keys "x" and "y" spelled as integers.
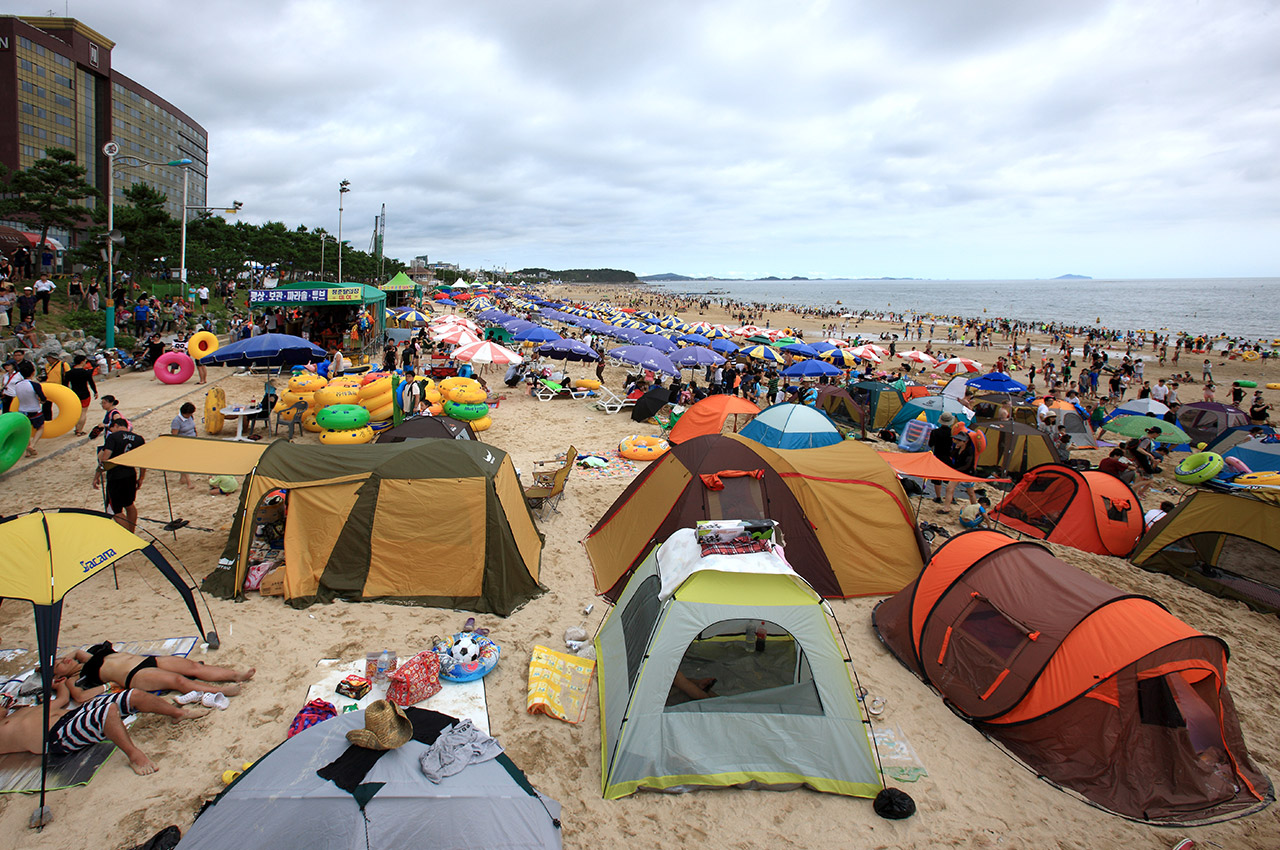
{"x": 919, "y": 357}
{"x": 877, "y": 350}
{"x": 484, "y": 351}
{"x": 694, "y": 339}
{"x": 390, "y": 315}
{"x": 758, "y": 339}
{"x": 514, "y": 326}
{"x": 648, "y": 405}
{"x": 723, "y": 346}
{"x": 802, "y": 349}
{"x": 695, "y": 356}
{"x": 661, "y": 343}
{"x": 838, "y": 343}
{"x": 840, "y": 357}
{"x": 999, "y": 382}
{"x": 717, "y": 332}
{"x": 266, "y": 350}
{"x": 810, "y": 369}
{"x": 449, "y": 302}
{"x": 537, "y": 334}
{"x": 747, "y": 330}
{"x": 867, "y": 352}
{"x": 449, "y": 319}
{"x": 1140, "y": 407}
{"x": 956, "y": 365}
{"x": 646, "y": 358}
{"x": 1136, "y": 427}
{"x": 763, "y": 352}
{"x": 454, "y": 335}
{"x": 413, "y": 316}
{"x": 568, "y": 349}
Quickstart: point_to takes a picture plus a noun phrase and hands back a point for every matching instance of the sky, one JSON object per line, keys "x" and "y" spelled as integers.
{"x": 985, "y": 139}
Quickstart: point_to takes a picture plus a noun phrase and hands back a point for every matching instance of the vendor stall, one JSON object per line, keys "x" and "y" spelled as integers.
{"x": 349, "y": 316}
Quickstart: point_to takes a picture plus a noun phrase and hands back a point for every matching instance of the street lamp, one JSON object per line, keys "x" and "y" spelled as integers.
{"x": 325, "y": 237}
{"x": 342, "y": 190}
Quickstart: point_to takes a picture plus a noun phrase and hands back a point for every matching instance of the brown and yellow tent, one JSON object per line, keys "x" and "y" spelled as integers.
{"x": 1015, "y": 447}
{"x": 1097, "y": 690}
{"x": 433, "y": 522}
{"x": 846, "y": 522}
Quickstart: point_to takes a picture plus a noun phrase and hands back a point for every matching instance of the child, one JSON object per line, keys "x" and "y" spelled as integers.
{"x": 975, "y": 516}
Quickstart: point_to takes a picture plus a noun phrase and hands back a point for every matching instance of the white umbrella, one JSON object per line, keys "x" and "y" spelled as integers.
{"x": 865, "y": 352}
{"x": 919, "y": 357}
{"x": 485, "y": 351}
{"x": 454, "y": 335}
{"x": 961, "y": 364}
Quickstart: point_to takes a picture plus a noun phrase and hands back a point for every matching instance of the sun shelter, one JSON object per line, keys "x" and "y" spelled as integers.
{"x": 1089, "y": 510}
{"x": 709, "y": 415}
{"x": 433, "y": 522}
{"x": 881, "y": 401}
{"x": 844, "y": 517}
{"x": 343, "y": 302}
{"x": 1099, "y": 691}
{"x": 427, "y": 427}
{"x": 281, "y": 801}
{"x": 1225, "y": 543}
{"x": 1205, "y": 420}
{"x": 783, "y": 716}
{"x": 1015, "y": 448}
{"x": 47, "y": 553}
{"x": 401, "y": 291}
{"x": 792, "y": 426}
{"x": 1235, "y": 436}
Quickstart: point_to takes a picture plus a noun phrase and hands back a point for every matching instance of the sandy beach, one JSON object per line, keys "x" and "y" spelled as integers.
{"x": 973, "y": 796}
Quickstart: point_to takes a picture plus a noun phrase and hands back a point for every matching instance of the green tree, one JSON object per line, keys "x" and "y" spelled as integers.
{"x": 48, "y": 194}
{"x": 150, "y": 233}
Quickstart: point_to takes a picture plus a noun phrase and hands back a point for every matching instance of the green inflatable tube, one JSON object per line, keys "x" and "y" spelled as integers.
{"x": 342, "y": 417}
{"x": 466, "y": 412}
{"x": 1199, "y": 467}
{"x": 1249, "y": 384}
{"x": 15, "y": 435}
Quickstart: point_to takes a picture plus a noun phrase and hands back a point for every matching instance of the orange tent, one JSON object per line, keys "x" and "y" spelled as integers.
{"x": 1097, "y": 690}
{"x": 1090, "y": 510}
{"x": 709, "y": 415}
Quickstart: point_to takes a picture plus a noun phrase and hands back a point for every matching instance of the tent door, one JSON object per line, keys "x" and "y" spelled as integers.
{"x": 982, "y": 645}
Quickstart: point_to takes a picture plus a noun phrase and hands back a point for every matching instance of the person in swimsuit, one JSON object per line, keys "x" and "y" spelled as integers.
{"x": 96, "y": 717}
{"x": 101, "y": 664}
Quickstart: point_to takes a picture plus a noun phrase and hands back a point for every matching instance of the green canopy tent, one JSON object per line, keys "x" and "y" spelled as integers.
{"x": 352, "y": 298}
{"x": 401, "y": 291}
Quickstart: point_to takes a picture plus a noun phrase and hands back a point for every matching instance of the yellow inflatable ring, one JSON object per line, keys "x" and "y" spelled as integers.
{"x": 345, "y": 381}
{"x": 373, "y": 389}
{"x": 468, "y": 394}
{"x": 347, "y": 438}
{"x": 1273, "y": 386}
{"x": 214, "y": 401}
{"x": 374, "y": 377}
{"x": 202, "y": 343}
{"x": 68, "y": 406}
{"x": 638, "y": 447}
{"x": 382, "y": 412}
{"x": 306, "y": 382}
{"x": 587, "y": 384}
{"x": 309, "y": 422}
{"x": 337, "y": 395}
{"x": 1250, "y": 356}
{"x": 481, "y": 424}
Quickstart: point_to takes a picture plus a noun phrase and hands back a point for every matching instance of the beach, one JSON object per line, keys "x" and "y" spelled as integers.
{"x": 973, "y": 796}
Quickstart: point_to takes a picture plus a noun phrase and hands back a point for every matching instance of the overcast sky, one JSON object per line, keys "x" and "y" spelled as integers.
{"x": 921, "y": 138}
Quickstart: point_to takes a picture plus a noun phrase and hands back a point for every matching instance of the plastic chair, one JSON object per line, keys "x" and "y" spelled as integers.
{"x": 263, "y": 414}
{"x": 291, "y": 416}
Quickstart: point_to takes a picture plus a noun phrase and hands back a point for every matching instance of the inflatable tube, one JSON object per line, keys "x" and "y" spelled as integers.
{"x": 214, "y": 401}
{"x": 345, "y": 381}
{"x": 331, "y": 395}
{"x": 468, "y": 394}
{"x": 306, "y": 382}
{"x": 383, "y": 412}
{"x": 15, "y": 436}
{"x": 446, "y": 386}
{"x": 67, "y": 405}
{"x": 1198, "y": 467}
{"x": 638, "y": 447}
{"x": 435, "y": 409}
{"x": 1258, "y": 479}
{"x": 465, "y": 412}
{"x": 484, "y": 423}
{"x": 1270, "y": 386}
{"x": 1235, "y": 465}
{"x": 202, "y": 343}
{"x": 342, "y": 417}
{"x": 347, "y": 438}
{"x": 432, "y": 396}
{"x": 587, "y": 384}
{"x": 309, "y": 423}
{"x": 375, "y": 389}
{"x": 373, "y": 377}
{"x": 469, "y": 671}
{"x": 1250, "y": 356}
{"x": 1249, "y": 384}
{"x": 172, "y": 367}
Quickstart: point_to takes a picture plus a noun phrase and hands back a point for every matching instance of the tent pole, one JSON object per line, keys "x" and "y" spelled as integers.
{"x": 169, "y": 502}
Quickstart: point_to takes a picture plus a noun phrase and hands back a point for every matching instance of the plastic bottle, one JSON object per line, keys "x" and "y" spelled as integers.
{"x": 384, "y": 663}
{"x": 760, "y": 635}
{"x": 749, "y": 638}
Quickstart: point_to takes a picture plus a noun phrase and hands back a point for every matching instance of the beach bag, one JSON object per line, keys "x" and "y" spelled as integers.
{"x": 415, "y": 680}
{"x": 316, "y": 711}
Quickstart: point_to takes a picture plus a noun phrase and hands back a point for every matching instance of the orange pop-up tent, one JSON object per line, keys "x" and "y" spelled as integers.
{"x": 709, "y": 415}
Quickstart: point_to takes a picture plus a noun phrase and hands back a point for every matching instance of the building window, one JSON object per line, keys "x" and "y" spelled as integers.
{"x": 63, "y": 120}
{"x": 61, "y": 100}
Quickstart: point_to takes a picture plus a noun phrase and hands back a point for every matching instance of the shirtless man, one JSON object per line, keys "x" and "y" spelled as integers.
{"x": 102, "y": 664}
{"x": 98, "y": 717}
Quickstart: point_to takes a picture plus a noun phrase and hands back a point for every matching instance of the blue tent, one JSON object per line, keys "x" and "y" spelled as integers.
{"x": 932, "y": 407}
{"x": 1259, "y": 455}
{"x": 792, "y": 426}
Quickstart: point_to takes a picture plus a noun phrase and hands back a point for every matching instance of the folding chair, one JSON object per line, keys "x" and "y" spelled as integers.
{"x": 548, "y": 487}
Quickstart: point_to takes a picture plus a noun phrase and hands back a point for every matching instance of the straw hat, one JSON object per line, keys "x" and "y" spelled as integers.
{"x": 946, "y": 420}
{"x": 386, "y": 727}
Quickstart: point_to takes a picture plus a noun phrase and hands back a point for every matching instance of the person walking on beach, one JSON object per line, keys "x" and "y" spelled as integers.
{"x": 80, "y": 379}
{"x": 122, "y": 481}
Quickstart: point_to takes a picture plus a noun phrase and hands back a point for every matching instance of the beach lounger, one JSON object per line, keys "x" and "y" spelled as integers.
{"x": 610, "y": 402}
{"x": 548, "y": 390}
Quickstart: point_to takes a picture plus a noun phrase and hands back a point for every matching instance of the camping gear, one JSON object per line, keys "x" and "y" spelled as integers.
{"x": 709, "y": 415}
{"x": 796, "y": 689}
{"x": 1089, "y": 510}
{"x": 848, "y": 523}
{"x": 280, "y": 801}
{"x": 1015, "y": 448}
{"x": 50, "y": 552}
{"x": 931, "y": 408}
{"x": 1260, "y": 455}
{"x": 1097, "y": 690}
{"x": 355, "y": 525}
{"x": 1227, "y": 544}
{"x": 427, "y": 427}
{"x": 792, "y": 426}
{"x": 840, "y": 406}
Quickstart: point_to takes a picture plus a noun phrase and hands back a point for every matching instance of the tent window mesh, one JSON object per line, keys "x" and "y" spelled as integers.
{"x": 638, "y": 619}
{"x": 741, "y": 498}
{"x": 1156, "y": 704}
{"x": 776, "y": 679}
{"x": 987, "y": 625}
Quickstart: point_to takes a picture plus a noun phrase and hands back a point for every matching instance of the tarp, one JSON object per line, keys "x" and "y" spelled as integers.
{"x": 926, "y": 465}
{"x": 168, "y": 453}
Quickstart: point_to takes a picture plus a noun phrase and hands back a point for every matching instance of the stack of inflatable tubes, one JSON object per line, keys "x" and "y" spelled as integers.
{"x": 464, "y": 400}
{"x": 375, "y": 396}
{"x": 173, "y": 367}
{"x": 15, "y": 436}
{"x": 343, "y": 424}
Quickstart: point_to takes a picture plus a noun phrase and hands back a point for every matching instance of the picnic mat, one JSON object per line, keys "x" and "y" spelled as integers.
{"x": 618, "y": 466}
{"x": 20, "y": 772}
{"x": 558, "y": 684}
{"x": 462, "y": 700}
{"x": 897, "y": 757}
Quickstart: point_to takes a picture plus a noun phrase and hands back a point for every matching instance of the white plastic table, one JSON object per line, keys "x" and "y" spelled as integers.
{"x": 239, "y": 414}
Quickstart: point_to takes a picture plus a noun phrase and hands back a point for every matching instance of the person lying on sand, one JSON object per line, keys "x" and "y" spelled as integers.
{"x": 98, "y": 718}
{"x": 101, "y": 664}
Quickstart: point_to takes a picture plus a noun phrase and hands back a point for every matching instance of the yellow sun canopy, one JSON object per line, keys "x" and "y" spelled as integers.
{"x": 194, "y": 455}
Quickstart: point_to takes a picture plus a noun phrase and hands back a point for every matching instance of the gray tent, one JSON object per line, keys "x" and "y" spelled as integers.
{"x": 281, "y": 802}
{"x": 785, "y": 714}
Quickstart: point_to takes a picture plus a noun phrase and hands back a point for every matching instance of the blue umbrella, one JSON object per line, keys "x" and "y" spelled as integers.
{"x": 516, "y": 325}
{"x": 723, "y": 346}
{"x": 267, "y": 350}
{"x": 694, "y": 339}
{"x": 803, "y": 349}
{"x": 448, "y": 302}
{"x": 537, "y": 334}
{"x": 695, "y": 356}
{"x": 568, "y": 349}
{"x": 629, "y": 334}
{"x": 810, "y": 369}
{"x": 661, "y": 343}
{"x": 646, "y": 358}
{"x": 997, "y": 382}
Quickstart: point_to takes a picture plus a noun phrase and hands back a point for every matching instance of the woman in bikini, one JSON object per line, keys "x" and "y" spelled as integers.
{"x": 102, "y": 664}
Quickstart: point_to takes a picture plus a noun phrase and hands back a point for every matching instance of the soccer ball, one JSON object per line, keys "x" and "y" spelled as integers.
{"x": 465, "y": 649}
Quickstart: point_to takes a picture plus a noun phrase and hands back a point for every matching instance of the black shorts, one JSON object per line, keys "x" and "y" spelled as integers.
{"x": 37, "y": 420}
{"x": 120, "y": 493}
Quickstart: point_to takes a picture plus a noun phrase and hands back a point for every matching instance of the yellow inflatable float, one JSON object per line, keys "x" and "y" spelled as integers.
{"x": 306, "y": 382}
{"x": 481, "y": 424}
{"x": 68, "y": 406}
{"x": 346, "y": 438}
{"x": 639, "y": 447}
{"x": 201, "y": 343}
{"x": 1250, "y": 356}
{"x": 214, "y": 401}
{"x": 587, "y": 384}
{"x": 375, "y": 397}
{"x": 333, "y": 394}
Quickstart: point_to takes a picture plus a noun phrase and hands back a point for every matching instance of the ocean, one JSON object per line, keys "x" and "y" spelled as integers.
{"x": 1238, "y": 307}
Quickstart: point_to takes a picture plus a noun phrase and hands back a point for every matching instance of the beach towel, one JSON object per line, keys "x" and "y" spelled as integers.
{"x": 558, "y": 684}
